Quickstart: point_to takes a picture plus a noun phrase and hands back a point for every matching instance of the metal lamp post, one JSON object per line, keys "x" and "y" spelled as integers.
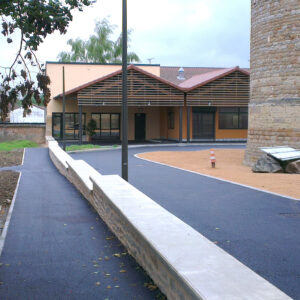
{"x": 64, "y": 110}
{"x": 124, "y": 96}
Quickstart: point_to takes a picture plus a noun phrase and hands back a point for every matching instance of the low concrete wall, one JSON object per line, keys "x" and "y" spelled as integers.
{"x": 182, "y": 262}
{"x": 59, "y": 158}
{"x": 32, "y": 132}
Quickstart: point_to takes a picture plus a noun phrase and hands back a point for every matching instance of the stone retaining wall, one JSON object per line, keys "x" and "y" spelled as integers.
{"x": 32, "y": 132}
{"x": 183, "y": 263}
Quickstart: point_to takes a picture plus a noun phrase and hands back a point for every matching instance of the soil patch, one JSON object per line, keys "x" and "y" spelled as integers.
{"x": 11, "y": 158}
{"x": 8, "y": 183}
{"x": 229, "y": 166}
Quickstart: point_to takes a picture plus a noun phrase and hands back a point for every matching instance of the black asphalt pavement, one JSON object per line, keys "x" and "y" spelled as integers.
{"x": 259, "y": 229}
{"x": 57, "y": 248}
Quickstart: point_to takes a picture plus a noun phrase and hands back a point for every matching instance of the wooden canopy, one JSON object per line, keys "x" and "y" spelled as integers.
{"x": 229, "y": 90}
{"x": 228, "y": 87}
{"x": 144, "y": 89}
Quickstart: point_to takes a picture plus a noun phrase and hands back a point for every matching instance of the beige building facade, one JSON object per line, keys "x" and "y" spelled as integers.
{"x": 206, "y": 105}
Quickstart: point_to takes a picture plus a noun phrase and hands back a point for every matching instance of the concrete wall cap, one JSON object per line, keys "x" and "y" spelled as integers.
{"x": 84, "y": 171}
{"x": 60, "y": 154}
{"x": 207, "y": 269}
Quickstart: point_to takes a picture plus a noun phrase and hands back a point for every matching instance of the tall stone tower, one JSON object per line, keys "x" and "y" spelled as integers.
{"x": 274, "y": 108}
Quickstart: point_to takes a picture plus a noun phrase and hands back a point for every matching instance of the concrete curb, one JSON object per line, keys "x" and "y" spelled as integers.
{"x": 8, "y": 217}
{"x": 217, "y": 178}
{"x": 23, "y": 157}
{"x": 158, "y": 145}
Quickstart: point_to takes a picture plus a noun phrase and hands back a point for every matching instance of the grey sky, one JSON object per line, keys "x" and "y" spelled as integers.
{"x": 212, "y": 33}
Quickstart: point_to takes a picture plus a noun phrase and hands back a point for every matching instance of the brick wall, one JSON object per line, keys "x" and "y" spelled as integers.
{"x": 32, "y": 132}
{"x": 274, "y": 109}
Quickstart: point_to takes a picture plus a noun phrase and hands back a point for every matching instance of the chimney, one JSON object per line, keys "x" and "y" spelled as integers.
{"x": 181, "y": 74}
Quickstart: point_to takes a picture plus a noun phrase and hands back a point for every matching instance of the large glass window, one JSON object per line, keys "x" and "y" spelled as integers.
{"x": 233, "y": 118}
{"x": 56, "y": 126}
{"x": 108, "y": 125}
{"x": 71, "y": 125}
{"x": 115, "y": 125}
{"x": 171, "y": 119}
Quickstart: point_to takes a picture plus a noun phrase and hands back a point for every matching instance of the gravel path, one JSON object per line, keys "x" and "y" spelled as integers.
{"x": 229, "y": 166}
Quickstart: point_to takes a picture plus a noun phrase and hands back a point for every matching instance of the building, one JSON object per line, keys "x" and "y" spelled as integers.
{"x": 181, "y": 104}
{"x": 37, "y": 115}
{"x": 274, "y": 110}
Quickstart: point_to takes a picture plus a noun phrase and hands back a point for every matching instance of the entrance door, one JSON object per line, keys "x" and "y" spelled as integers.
{"x": 140, "y": 127}
{"x": 203, "y": 124}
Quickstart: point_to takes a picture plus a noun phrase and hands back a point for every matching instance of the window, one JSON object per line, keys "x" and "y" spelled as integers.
{"x": 71, "y": 125}
{"x": 233, "y": 118}
{"x": 171, "y": 120}
{"x": 108, "y": 125}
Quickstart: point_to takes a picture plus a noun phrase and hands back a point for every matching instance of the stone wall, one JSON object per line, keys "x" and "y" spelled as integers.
{"x": 32, "y": 132}
{"x": 181, "y": 261}
{"x": 274, "y": 109}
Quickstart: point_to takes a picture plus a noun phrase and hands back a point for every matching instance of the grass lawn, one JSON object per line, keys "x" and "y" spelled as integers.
{"x": 87, "y": 146}
{"x": 82, "y": 147}
{"x": 19, "y": 144}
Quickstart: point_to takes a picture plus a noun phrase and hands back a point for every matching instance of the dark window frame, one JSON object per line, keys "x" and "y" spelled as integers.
{"x": 171, "y": 119}
{"x": 111, "y": 128}
{"x": 238, "y": 111}
{"x": 75, "y": 136}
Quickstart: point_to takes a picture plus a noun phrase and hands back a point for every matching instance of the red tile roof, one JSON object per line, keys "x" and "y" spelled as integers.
{"x": 202, "y": 79}
{"x": 171, "y": 73}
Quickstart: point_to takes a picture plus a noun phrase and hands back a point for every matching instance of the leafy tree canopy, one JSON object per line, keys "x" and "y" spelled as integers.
{"x": 30, "y": 22}
{"x": 99, "y": 48}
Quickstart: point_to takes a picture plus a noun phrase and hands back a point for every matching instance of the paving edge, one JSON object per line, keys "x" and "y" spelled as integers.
{"x": 23, "y": 157}
{"x": 182, "y": 262}
{"x": 8, "y": 217}
{"x": 217, "y": 178}
{"x": 158, "y": 145}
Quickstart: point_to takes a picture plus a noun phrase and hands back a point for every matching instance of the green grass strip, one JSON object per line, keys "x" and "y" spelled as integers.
{"x": 18, "y": 144}
{"x": 82, "y": 147}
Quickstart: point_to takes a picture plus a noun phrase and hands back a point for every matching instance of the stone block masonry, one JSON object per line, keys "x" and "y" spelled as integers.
{"x": 181, "y": 261}
{"x": 32, "y": 132}
{"x": 274, "y": 109}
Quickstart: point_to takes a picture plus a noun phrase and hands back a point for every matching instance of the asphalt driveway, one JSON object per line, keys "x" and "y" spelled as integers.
{"x": 57, "y": 247}
{"x": 259, "y": 229}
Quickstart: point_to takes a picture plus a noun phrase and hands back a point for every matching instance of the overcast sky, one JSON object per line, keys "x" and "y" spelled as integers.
{"x": 211, "y": 33}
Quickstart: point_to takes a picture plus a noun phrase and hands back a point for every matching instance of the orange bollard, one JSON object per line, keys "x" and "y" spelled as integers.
{"x": 212, "y": 158}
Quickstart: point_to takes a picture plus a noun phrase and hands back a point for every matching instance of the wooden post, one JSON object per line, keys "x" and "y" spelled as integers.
{"x": 188, "y": 137}
{"x": 80, "y": 124}
{"x": 180, "y": 124}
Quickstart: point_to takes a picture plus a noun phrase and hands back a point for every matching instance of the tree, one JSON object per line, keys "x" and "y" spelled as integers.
{"x": 30, "y": 22}
{"x": 99, "y": 48}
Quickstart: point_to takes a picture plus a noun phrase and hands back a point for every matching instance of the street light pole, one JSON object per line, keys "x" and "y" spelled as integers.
{"x": 64, "y": 110}
{"x": 124, "y": 96}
